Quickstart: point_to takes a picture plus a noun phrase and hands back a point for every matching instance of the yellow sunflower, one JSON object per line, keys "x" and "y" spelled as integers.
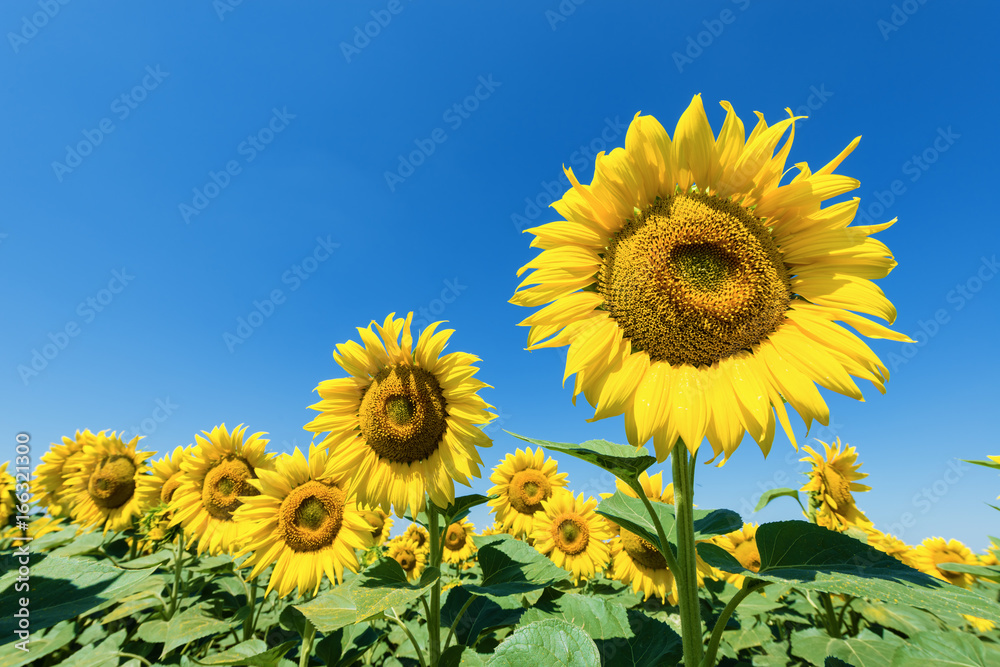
{"x": 572, "y": 534}
{"x": 381, "y": 524}
{"x": 38, "y": 526}
{"x": 697, "y": 294}
{"x": 979, "y": 624}
{"x": 100, "y": 484}
{"x": 888, "y": 544}
{"x": 49, "y": 478}
{"x": 158, "y": 487}
{"x": 404, "y": 422}
{"x": 458, "y": 546}
{"x": 636, "y": 561}
{"x": 831, "y": 481}
{"x": 936, "y": 550}
{"x": 410, "y": 557}
{"x": 522, "y": 481}
{"x": 651, "y": 486}
{"x": 495, "y": 529}
{"x": 8, "y": 503}
{"x": 214, "y": 477}
{"x": 419, "y": 536}
{"x": 742, "y": 544}
{"x": 306, "y": 523}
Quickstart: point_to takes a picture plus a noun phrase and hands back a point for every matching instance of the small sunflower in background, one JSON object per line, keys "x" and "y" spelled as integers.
{"x": 381, "y": 524}
{"x": 48, "y": 485}
{"x": 457, "y": 542}
{"x": 888, "y": 544}
{"x": 832, "y": 480}
{"x": 572, "y": 534}
{"x": 404, "y": 423}
{"x": 410, "y": 557}
{"x": 742, "y": 545}
{"x": 495, "y": 529}
{"x": 696, "y": 293}
{"x": 214, "y": 478}
{"x": 156, "y": 490}
{"x": 522, "y": 481}
{"x": 8, "y": 503}
{"x": 100, "y": 486}
{"x": 304, "y": 522}
{"x": 419, "y": 536}
{"x": 936, "y": 550}
{"x": 38, "y": 526}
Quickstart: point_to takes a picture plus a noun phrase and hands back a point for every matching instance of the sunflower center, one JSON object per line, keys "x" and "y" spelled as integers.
{"x": 570, "y": 533}
{"x": 838, "y": 488}
{"x": 403, "y": 414}
{"x": 694, "y": 279}
{"x": 112, "y": 483}
{"x": 642, "y": 551}
{"x": 310, "y": 517}
{"x": 748, "y": 556}
{"x": 455, "y": 538}
{"x": 224, "y": 484}
{"x": 169, "y": 486}
{"x": 527, "y": 490}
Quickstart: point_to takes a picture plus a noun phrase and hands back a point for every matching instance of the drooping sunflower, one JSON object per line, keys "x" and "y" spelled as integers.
{"x": 405, "y": 422}
{"x": 522, "y": 481}
{"x": 8, "y": 502}
{"x": 742, "y": 544}
{"x": 457, "y": 542}
{"x": 49, "y": 474}
{"x": 936, "y": 550}
{"x": 831, "y": 483}
{"x": 100, "y": 486}
{"x": 304, "y": 522}
{"x": 214, "y": 477}
{"x": 697, "y": 294}
{"x": 572, "y": 534}
{"x": 410, "y": 557}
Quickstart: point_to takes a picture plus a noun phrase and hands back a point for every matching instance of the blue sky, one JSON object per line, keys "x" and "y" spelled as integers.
{"x": 168, "y": 171}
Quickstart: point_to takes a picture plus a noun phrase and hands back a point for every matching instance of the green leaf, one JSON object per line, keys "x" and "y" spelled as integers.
{"x": 461, "y": 656}
{"x": 40, "y": 644}
{"x": 986, "y": 464}
{"x": 812, "y": 557}
{"x": 747, "y": 637}
{"x": 622, "y": 637}
{"x": 459, "y": 509}
{"x": 185, "y": 626}
{"x": 253, "y": 653}
{"x": 631, "y": 514}
{"x": 511, "y": 567}
{"x": 944, "y": 649}
{"x": 61, "y": 588}
{"x": 347, "y": 644}
{"x": 991, "y": 572}
{"x": 80, "y": 545}
{"x": 770, "y": 495}
{"x": 623, "y": 461}
{"x": 900, "y": 618}
{"x": 550, "y": 642}
{"x": 482, "y": 613}
{"x": 865, "y": 650}
{"x": 103, "y": 654}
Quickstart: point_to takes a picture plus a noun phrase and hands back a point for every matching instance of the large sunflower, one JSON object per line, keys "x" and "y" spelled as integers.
{"x": 49, "y": 478}
{"x": 404, "y": 423}
{"x": 306, "y": 523}
{"x": 100, "y": 487}
{"x": 697, "y": 294}
{"x": 831, "y": 482}
{"x": 936, "y": 550}
{"x": 522, "y": 481}
{"x": 572, "y": 534}
{"x": 214, "y": 478}
{"x": 410, "y": 557}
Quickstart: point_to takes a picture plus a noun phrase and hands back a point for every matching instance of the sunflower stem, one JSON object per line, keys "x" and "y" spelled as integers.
{"x": 413, "y": 640}
{"x": 832, "y": 626}
{"x": 687, "y": 589}
{"x": 248, "y": 622}
{"x": 178, "y": 568}
{"x": 434, "y": 621}
{"x": 720, "y": 624}
{"x": 461, "y": 612}
{"x": 308, "y": 634}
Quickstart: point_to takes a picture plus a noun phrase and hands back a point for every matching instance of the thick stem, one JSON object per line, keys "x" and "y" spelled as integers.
{"x": 687, "y": 585}
{"x": 178, "y": 568}
{"x": 308, "y": 634}
{"x": 832, "y": 623}
{"x": 434, "y": 621}
{"x": 720, "y": 624}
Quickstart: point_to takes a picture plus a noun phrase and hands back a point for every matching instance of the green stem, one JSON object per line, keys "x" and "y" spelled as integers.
{"x": 720, "y": 624}
{"x": 434, "y": 620}
{"x": 454, "y": 624}
{"x": 134, "y": 549}
{"x": 413, "y": 640}
{"x": 843, "y": 611}
{"x": 133, "y": 656}
{"x": 832, "y": 627}
{"x": 665, "y": 550}
{"x": 248, "y": 622}
{"x": 687, "y": 585}
{"x": 308, "y": 634}
{"x": 178, "y": 568}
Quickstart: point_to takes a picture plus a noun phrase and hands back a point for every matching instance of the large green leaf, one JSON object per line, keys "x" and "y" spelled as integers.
{"x": 186, "y": 626}
{"x": 865, "y": 650}
{"x": 812, "y": 557}
{"x": 347, "y": 644}
{"x": 622, "y": 637}
{"x": 61, "y": 588}
{"x": 623, "y": 461}
{"x": 461, "y": 656}
{"x": 747, "y": 637}
{"x": 103, "y": 654}
{"x": 482, "y": 613}
{"x": 511, "y": 567}
{"x": 631, "y": 514}
{"x": 456, "y": 511}
{"x": 552, "y": 642}
{"x": 907, "y": 620}
{"x": 945, "y": 649}
{"x": 253, "y": 653}
{"x": 382, "y": 586}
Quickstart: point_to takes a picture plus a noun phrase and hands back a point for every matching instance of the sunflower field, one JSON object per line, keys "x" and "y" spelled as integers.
{"x": 700, "y": 298}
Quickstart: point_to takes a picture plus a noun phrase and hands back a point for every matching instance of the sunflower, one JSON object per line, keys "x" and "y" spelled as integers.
{"x": 495, "y": 529}
{"x": 404, "y": 423}
{"x": 572, "y": 534}
{"x": 636, "y": 561}
{"x": 213, "y": 480}
{"x": 697, "y": 294}
{"x": 8, "y": 502}
{"x": 979, "y": 624}
{"x": 888, "y": 544}
{"x": 419, "y": 536}
{"x": 49, "y": 477}
{"x": 936, "y": 550}
{"x": 38, "y": 526}
{"x": 159, "y": 487}
{"x": 381, "y": 524}
{"x": 305, "y": 523}
{"x": 652, "y": 487}
{"x": 522, "y": 481}
{"x": 101, "y": 483}
{"x": 742, "y": 545}
{"x": 457, "y": 542}
{"x": 410, "y": 557}
{"x": 831, "y": 481}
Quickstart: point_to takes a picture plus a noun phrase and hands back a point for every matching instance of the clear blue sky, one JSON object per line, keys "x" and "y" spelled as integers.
{"x": 166, "y": 167}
